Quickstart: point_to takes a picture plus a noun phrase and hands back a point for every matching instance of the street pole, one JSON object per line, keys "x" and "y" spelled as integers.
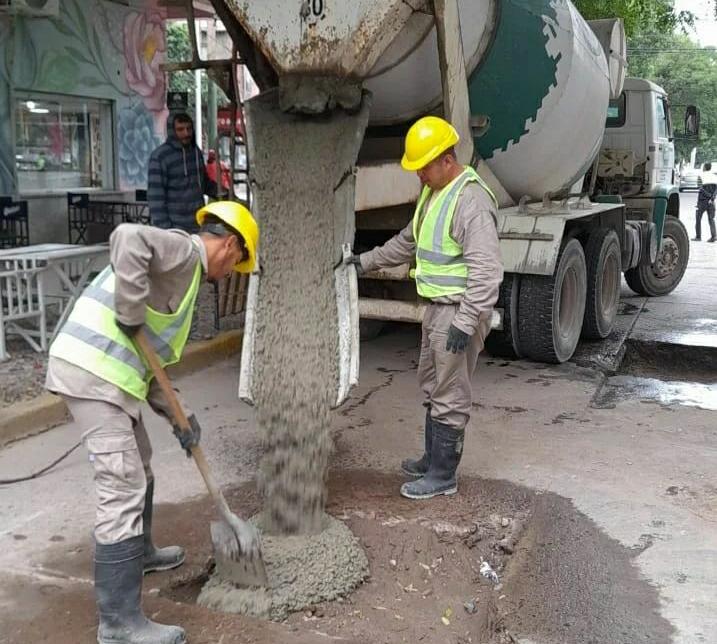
{"x": 212, "y": 87}
{"x": 198, "y": 90}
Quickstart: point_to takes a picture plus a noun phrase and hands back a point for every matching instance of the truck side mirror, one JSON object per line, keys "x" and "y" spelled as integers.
{"x": 692, "y": 121}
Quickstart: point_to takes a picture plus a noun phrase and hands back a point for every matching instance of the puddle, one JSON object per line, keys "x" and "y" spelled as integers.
{"x": 664, "y": 374}
{"x": 623, "y": 388}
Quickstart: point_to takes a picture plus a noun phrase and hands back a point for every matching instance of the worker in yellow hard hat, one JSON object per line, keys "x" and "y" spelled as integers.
{"x": 151, "y": 283}
{"x": 454, "y": 242}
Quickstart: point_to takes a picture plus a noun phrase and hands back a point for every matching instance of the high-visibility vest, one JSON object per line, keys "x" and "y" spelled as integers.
{"x": 440, "y": 268}
{"x": 91, "y": 339}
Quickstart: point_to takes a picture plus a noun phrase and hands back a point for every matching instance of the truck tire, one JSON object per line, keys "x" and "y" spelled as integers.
{"x": 603, "y": 258}
{"x": 551, "y": 309}
{"x": 504, "y": 344}
{"x": 667, "y": 272}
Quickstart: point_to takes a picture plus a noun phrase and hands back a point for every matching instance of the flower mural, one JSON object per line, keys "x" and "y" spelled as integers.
{"x": 144, "y": 47}
{"x": 137, "y": 139}
{"x": 93, "y": 49}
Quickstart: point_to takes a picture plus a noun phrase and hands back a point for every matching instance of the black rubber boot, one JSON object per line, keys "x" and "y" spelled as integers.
{"x": 419, "y": 467}
{"x": 118, "y": 589}
{"x": 446, "y": 454}
{"x": 156, "y": 559}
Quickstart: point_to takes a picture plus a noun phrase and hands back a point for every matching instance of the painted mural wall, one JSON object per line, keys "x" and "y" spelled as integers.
{"x": 95, "y": 49}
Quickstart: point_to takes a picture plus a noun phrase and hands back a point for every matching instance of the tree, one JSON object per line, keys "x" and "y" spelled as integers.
{"x": 688, "y": 73}
{"x": 179, "y": 50}
{"x": 660, "y": 50}
{"x": 638, "y": 15}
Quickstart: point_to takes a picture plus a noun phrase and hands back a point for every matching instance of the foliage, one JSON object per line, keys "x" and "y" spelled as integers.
{"x": 656, "y": 37}
{"x": 179, "y": 50}
{"x": 639, "y": 16}
{"x": 689, "y": 77}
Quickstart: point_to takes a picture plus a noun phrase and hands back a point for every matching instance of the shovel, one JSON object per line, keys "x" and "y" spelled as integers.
{"x": 237, "y": 546}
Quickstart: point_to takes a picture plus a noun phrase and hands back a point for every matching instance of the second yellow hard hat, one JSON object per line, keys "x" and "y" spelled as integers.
{"x": 426, "y": 140}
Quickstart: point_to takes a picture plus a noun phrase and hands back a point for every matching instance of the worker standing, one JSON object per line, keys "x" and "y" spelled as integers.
{"x": 152, "y": 284}
{"x": 454, "y": 240}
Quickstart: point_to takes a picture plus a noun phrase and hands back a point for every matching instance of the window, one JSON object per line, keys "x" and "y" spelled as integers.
{"x": 62, "y": 142}
{"x": 668, "y": 117}
{"x": 662, "y": 128}
{"x": 616, "y": 112}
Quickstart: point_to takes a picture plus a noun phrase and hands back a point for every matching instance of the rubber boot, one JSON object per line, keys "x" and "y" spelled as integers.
{"x": 419, "y": 467}
{"x": 446, "y": 454}
{"x": 118, "y": 589}
{"x": 156, "y": 559}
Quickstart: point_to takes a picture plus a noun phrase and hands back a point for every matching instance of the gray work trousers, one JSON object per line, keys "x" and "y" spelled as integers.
{"x": 709, "y": 208}
{"x": 445, "y": 377}
{"x": 120, "y": 453}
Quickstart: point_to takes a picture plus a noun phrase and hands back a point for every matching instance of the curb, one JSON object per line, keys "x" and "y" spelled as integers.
{"x": 30, "y": 417}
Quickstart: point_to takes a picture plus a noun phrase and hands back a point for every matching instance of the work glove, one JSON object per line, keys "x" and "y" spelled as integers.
{"x": 457, "y": 340}
{"x": 355, "y": 260}
{"x": 130, "y": 330}
{"x": 188, "y": 439}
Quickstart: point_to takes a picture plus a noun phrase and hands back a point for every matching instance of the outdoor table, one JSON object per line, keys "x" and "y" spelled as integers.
{"x": 24, "y": 274}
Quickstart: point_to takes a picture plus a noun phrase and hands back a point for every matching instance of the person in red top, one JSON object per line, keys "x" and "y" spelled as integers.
{"x": 212, "y": 170}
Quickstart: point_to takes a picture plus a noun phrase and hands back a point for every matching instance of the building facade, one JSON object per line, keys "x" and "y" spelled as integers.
{"x": 82, "y": 104}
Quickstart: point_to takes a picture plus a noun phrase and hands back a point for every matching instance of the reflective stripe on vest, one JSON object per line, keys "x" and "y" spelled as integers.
{"x": 91, "y": 339}
{"x": 440, "y": 267}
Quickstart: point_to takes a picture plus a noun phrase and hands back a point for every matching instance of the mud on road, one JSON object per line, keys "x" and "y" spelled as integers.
{"x": 561, "y": 578}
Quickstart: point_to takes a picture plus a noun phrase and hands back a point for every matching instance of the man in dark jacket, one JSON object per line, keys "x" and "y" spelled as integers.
{"x": 706, "y": 203}
{"x": 178, "y": 180}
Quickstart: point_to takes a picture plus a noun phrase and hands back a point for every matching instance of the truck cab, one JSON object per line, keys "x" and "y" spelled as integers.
{"x": 639, "y": 124}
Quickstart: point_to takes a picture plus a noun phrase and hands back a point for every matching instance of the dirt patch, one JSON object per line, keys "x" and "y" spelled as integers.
{"x": 425, "y": 584}
{"x": 22, "y": 377}
{"x": 670, "y": 362}
{"x": 570, "y": 582}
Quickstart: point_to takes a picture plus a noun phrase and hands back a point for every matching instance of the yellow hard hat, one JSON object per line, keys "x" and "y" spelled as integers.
{"x": 239, "y": 218}
{"x": 426, "y": 140}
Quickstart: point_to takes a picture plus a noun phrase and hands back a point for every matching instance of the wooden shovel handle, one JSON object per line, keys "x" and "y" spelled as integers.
{"x": 180, "y": 419}
{"x": 178, "y": 416}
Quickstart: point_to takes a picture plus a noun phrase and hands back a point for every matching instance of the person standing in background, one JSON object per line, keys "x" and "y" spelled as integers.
{"x": 706, "y": 203}
{"x": 177, "y": 178}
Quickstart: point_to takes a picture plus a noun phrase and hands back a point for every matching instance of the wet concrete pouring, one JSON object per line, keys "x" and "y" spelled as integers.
{"x": 553, "y": 580}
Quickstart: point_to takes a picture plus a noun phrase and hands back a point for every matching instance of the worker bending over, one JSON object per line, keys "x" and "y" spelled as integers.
{"x": 458, "y": 272}
{"x": 152, "y": 283}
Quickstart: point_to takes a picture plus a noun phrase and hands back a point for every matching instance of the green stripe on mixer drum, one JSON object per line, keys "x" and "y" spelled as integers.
{"x": 516, "y": 75}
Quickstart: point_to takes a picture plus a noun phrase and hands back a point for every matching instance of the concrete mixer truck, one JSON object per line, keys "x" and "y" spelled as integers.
{"x": 580, "y": 158}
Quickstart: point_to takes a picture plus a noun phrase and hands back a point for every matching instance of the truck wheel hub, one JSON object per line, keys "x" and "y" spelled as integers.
{"x": 668, "y": 258}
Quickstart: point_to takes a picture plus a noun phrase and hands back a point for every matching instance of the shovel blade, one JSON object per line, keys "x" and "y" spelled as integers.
{"x": 243, "y": 569}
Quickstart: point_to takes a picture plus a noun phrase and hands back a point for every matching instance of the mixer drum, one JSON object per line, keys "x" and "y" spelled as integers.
{"x": 536, "y": 70}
